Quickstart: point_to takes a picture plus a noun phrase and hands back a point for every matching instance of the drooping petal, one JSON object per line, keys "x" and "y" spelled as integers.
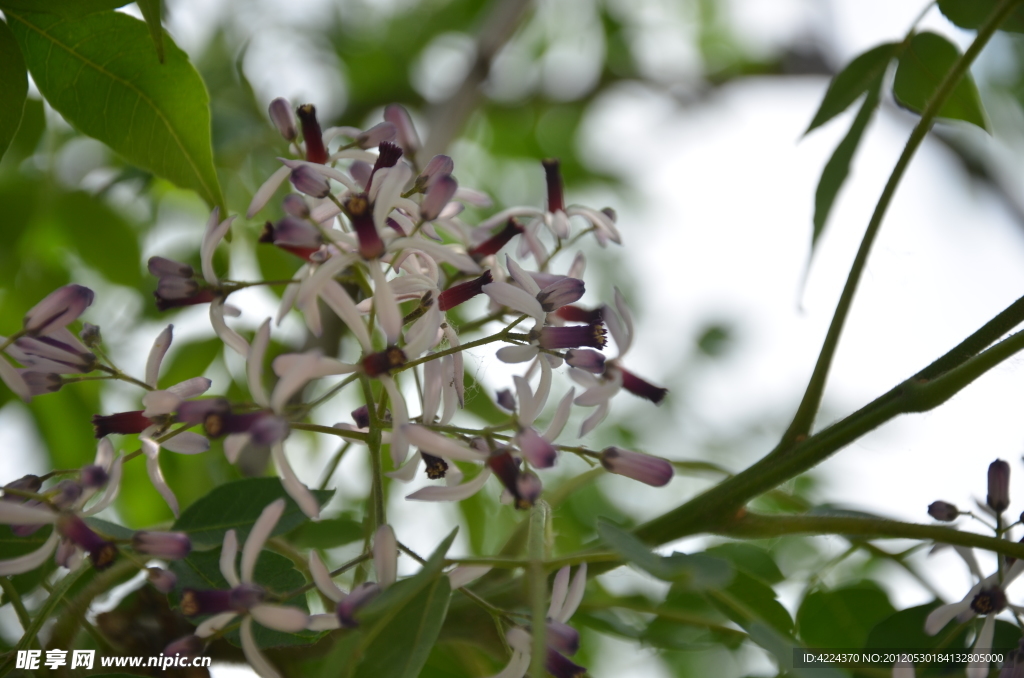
{"x": 226, "y": 334}
{"x": 431, "y": 390}
{"x": 254, "y": 364}
{"x": 981, "y": 647}
{"x": 298, "y": 369}
{"x": 441, "y": 446}
{"x": 515, "y": 298}
{"x": 234, "y": 444}
{"x": 261, "y": 530}
{"x": 322, "y": 578}
{"x": 228, "y": 554}
{"x": 458, "y": 366}
{"x": 265, "y": 192}
{"x": 187, "y": 442}
{"x": 408, "y": 470}
{"x": 157, "y": 353}
{"x": 32, "y": 560}
{"x": 12, "y": 513}
{"x": 444, "y": 254}
{"x": 627, "y": 320}
{"x": 591, "y": 422}
{"x": 399, "y": 419}
{"x": 293, "y": 486}
{"x": 190, "y": 388}
{"x": 156, "y": 476}
{"x": 517, "y": 666}
{"x": 57, "y": 309}
{"x": 113, "y": 485}
{"x": 323, "y": 622}
{"x": 159, "y": 403}
{"x": 452, "y": 492}
{"x": 385, "y": 556}
{"x": 942, "y": 615}
{"x": 575, "y": 595}
{"x": 104, "y": 454}
{"x": 464, "y": 574}
{"x": 423, "y": 334}
{"x": 280, "y": 617}
{"x": 14, "y": 380}
{"x": 339, "y": 301}
{"x": 252, "y": 652}
{"x": 388, "y": 314}
{"x": 214, "y": 624}
{"x": 390, "y": 189}
{"x": 524, "y": 279}
{"x": 516, "y": 354}
{"x": 215, "y": 232}
{"x": 561, "y": 417}
{"x": 559, "y": 590}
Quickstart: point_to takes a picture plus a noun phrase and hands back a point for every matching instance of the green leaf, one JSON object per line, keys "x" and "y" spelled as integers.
{"x": 414, "y": 631}
{"x": 151, "y": 13}
{"x": 861, "y": 75}
{"x": 105, "y": 241}
{"x": 838, "y": 166}
{"x": 326, "y": 534}
{"x": 109, "y": 529}
{"x": 922, "y": 66}
{"x": 971, "y": 14}
{"x": 748, "y": 558}
{"x": 201, "y": 570}
{"x": 781, "y": 646}
{"x": 13, "y": 84}
{"x": 102, "y": 75}
{"x": 236, "y": 506}
{"x": 66, "y": 8}
{"x": 842, "y": 617}
{"x": 746, "y": 599}
{"x": 694, "y": 571}
{"x": 905, "y": 629}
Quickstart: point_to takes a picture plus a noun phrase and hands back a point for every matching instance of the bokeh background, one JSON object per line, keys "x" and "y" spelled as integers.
{"x": 685, "y": 116}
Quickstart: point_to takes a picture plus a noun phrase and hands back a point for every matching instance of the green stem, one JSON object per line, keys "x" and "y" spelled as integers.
{"x": 11, "y": 339}
{"x": 330, "y": 430}
{"x": 374, "y": 443}
{"x": 332, "y": 466}
{"x": 538, "y": 589}
{"x": 118, "y": 374}
{"x": 808, "y": 408}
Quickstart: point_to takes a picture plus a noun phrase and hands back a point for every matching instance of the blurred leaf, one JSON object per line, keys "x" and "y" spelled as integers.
{"x": 151, "y": 13}
{"x": 156, "y": 115}
{"x": 33, "y": 124}
{"x": 922, "y": 66}
{"x": 838, "y": 166}
{"x": 236, "y": 506}
{"x": 782, "y": 647}
{"x": 746, "y": 599}
{"x": 748, "y": 558}
{"x": 341, "y": 661}
{"x": 972, "y": 14}
{"x": 863, "y": 74}
{"x": 905, "y": 629}
{"x": 842, "y": 617}
{"x": 67, "y": 8}
{"x": 414, "y": 631}
{"x": 13, "y": 84}
{"x": 694, "y": 571}
{"x": 109, "y": 529}
{"x": 104, "y": 240}
{"x": 326, "y": 534}
{"x": 201, "y": 570}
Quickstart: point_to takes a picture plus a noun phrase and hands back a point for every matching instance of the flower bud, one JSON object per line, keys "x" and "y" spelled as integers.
{"x": 353, "y": 602}
{"x": 59, "y": 308}
{"x": 653, "y": 471}
{"x": 438, "y": 166}
{"x": 29, "y": 483}
{"x": 165, "y": 545}
{"x": 998, "y": 486}
{"x": 308, "y": 181}
{"x": 585, "y": 359}
{"x": 440, "y": 192}
{"x": 560, "y": 293}
{"x": 188, "y": 646}
{"x": 90, "y": 335}
{"x": 161, "y": 579}
{"x": 281, "y": 115}
{"x": 66, "y": 493}
{"x": 295, "y": 205}
{"x": 162, "y": 267}
{"x": 944, "y": 511}
{"x": 506, "y": 399}
{"x": 361, "y": 416}
{"x": 405, "y": 132}
{"x": 377, "y": 134}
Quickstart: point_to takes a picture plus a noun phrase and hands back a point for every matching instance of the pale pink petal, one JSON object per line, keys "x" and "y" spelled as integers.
{"x": 228, "y": 554}
{"x": 605, "y": 226}
{"x": 515, "y": 298}
{"x": 561, "y": 417}
{"x": 14, "y": 380}
{"x": 516, "y": 354}
{"x": 280, "y": 617}
{"x": 257, "y": 538}
{"x": 226, "y": 334}
{"x": 627, "y": 319}
{"x": 265, "y": 192}
{"x": 339, "y": 301}
{"x": 252, "y": 652}
{"x": 323, "y": 622}
{"x": 453, "y": 492}
{"x": 464, "y": 574}
{"x": 32, "y": 560}
{"x": 291, "y": 293}
{"x": 441, "y": 446}
{"x": 298, "y": 369}
{"x": 385, "y": 555}
{"x": 293, "y": 486}
{"x": 187, "y": 442}
{"x": 157, "y": 353}
{"x": 215, "y": 232}
{"x": 440, "y": 253}
{"x": 503, "y": 216}
{"x": 104, "y": 454}
{"x": 616, "y": 329}
{"x": 399, "y": 419}
{"x": 322, "y": 578}
{"x": 524, "y": 279}
{"x": 156, "y": 476}
{"x": 234, "y": 444}
{"x": 559, "y": 590}
{"x": 254, "y": 364}
{"x": 942, "y": 615}
{"x": 190, "y": 388}
{"x": 578, "y": 266}
{"x": 458, "y": 366}
{"x": 423, "y": 334}
{"x": 388, "y": 315}
{"x": 215, "y": 623}
{"x": 408, "y": 470}
{"x": 591, "y": 422}
{"x": 982, "y": 646}
{"x": 110, "y": 492}
{"x": 575, "y": 596}
{"x": 157, "y": 403}
{"x": 389, "y": 192}
{"x": 432, "y": 383}
{"x": 12, "y": 513}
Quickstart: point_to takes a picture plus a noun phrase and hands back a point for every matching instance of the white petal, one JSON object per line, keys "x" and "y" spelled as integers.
{"x": 591, "y": 422}
{"x": 524, "y": 279}
{"x": 104, "y": 454}
{"x": 458, "y": 366}
{"x": 465, "y": 574}
{"x": 559, "y": 590}
{"x": 30, "y": 561}
{"x": 159, "y": 402}
{"x": 110, "y": 492}
{"x": 517, "y": 666}
{"x": 254, "y": 364}
{"x": 12, "y": 513}
{"x": 190, "y": 388}
{"x": 226, "y": 334}
{"x": 228, "y": 554}
{"x": 516, "y": 354}
{"x": 258, "y": 536}
{"x": 252, "y": 653}
{"x": 313, "y": 285}
{"x": 578, "y": 266}
{"x": 903, "y": 670}
{"x": 441, "y": 446}
{"x": 583, "y": 378}
{"x": 385, "y": 555}
{"x": 449, "y": 396}
{"x": 942, "y": 615}
{"x": 323, "y": 622}
{"x": 519, "y": 639}
{"x": 408, "y": 470}
{"x": 575, "y": 596}
{"x": 384, "y": 304}
{"x": 156, "y": 476}
{"x": 627, "y": 319}
{"x": 600, "y": 394}
{"x": 431, "y": 390}
{"x": 187, "y": 442}
{"x": 214, "y": 624}
{"x": 322, "y": 578}
{"x": 234, "y": 444}
{"x": 298, "y": 369}
{"x": 293, "y": 486}
{"x": 515, "y": 298}
{"x": 280, "y": 617}
{"x": 339, "y": 301}
{"x": 440, "y": 253}
{"x": 503, "y": 216}
{"x": 423, "y": 334}
{"x": 290, "y": 294}
{"x": 983, "y": 646}
{"x": 14, "y": 381}
{"x": 389, "y": 191}
{"x": 399, "y": 420}
{"x": 156, "y": 355}
{"x": 525, "y": 397}
{"x": 605, "y": 227}
{"x": 616, "y": 329}
{"x": 328, "y": 171}
{"x": 214, "y": 234}
{"x": 452, "y": 492}
{"x": 265, "y": 192}
{"x": 561, "y": 417}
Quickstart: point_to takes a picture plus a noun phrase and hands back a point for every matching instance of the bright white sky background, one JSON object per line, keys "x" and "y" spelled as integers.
{"x": 718, "y": 227}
